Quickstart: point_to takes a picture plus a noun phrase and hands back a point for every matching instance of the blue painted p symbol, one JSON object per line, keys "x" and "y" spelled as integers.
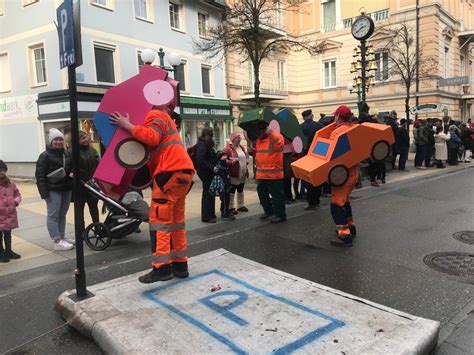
{"x": 225, "y": 309}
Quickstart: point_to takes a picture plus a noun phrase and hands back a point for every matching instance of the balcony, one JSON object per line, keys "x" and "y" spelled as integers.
{"x": 270, "y": 89}
{"x": 219, "y": 4}
{"x": 347, "y": 23}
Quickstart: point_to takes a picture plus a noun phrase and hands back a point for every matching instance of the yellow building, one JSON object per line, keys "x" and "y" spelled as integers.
{"x": 301, "y": 81}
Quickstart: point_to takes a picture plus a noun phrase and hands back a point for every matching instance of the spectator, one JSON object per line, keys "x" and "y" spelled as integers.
{"x": 10, "y": 198}
{"x": 420, "y": 135}
{"x": 467, "y": 141}
{"x": 430, "y": 146}
{"x": 392, "y": 122}
{"x": 441, "y": 148}
{"x": 88, "y": 161}
{"x": 54, "y": 182}
{"x": 453, "y": 145}
{"x": 403, "y": 144}
{"x": 237, "y": 159}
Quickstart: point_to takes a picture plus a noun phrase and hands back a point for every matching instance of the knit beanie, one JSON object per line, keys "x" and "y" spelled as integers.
{"x": 233, "y": 136}
{"x": 3, "y": 166}
{"x": 54, "y": 133}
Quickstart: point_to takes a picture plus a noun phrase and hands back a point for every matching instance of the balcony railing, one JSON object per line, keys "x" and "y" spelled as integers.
{"x": 338, "y": 26}
{"x": 273, "y": 87}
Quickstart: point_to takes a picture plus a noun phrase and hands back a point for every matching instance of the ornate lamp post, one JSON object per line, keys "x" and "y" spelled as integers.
{"x": 174, "y": 59}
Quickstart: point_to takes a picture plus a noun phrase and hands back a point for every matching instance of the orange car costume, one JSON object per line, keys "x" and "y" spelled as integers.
{"x": 172, "y": 171}
{"x": 341, "y": 210}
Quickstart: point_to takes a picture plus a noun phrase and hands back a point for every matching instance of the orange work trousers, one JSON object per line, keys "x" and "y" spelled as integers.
{"x": 167, "y": 221}
{"x": 340, "y": 194}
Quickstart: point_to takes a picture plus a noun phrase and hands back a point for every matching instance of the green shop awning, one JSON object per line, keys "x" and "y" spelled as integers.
{"x": 198, "y": 108}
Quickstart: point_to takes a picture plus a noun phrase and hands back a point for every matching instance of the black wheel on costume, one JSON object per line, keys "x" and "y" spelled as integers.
{"x": 131, "y": 153}
{"x": 338, "y": 175}
{"x": 97, "y": 236}
{"x": 380, "y": 150}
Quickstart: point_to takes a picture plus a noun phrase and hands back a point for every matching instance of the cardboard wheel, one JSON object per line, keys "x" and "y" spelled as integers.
{"x": 338, "y": 175}
{"x": 97, "y": 236}
{"x": 131, "y": 153}
{"x": 142, "y": 178}
{"x": 380, "y": 150}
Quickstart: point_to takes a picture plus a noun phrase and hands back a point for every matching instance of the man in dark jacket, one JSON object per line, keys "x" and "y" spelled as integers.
{"x": 392, "y": 122}
{"x": 403, "y": 140}
{"x": 310, "y": 127}
{"x": 88, "y": 161}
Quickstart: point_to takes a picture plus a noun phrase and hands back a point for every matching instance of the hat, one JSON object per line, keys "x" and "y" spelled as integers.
{"x": 393, "y": 113}
{"x": 233, "y": 135}
{"x": 307, "y": 113}
{"x": 403, "y": 121}
{"x": 343, "y": 110}
{"x": 3, "y": 166}
{"x": 53, "y": 134}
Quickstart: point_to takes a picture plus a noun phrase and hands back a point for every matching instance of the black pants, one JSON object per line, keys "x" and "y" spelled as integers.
{"x": 287, "y": 189}
{"x": 429, "y": 154}
{"x": 238, "y": 188}
{"x": 453, "y": 156}
{"x": 208, "y": 202}
{"x": 313, "y": 194}
{"x": 83, "y": 199}
{"x": 7, "y": 236}
{"x": 376, "y": 170}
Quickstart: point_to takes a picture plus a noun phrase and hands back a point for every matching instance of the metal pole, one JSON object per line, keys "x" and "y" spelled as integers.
{"x": 364, "y": 63}
{"x": 417, "y": 77}
{"x": 80, "y": 273}
{"x": 161, "y": 55}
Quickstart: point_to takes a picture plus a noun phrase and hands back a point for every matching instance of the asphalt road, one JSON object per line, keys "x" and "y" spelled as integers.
{"x": 398, "y": 225}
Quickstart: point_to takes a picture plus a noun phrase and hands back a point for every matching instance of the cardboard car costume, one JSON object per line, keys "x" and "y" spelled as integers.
{"x": 330, "y": 159}
{"x": 124, "y": 155}
{"x": 282, "y": 121}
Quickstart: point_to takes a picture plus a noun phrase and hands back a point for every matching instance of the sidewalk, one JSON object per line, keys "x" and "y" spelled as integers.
{"x": 32, "y": 241}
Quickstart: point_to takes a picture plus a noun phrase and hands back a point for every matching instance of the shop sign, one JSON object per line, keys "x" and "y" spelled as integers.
{"x": 427, "y": 108}
{"x": 458, "y": 80}
{"x": 202, "y": 111}
{"x": 18, "y": 107}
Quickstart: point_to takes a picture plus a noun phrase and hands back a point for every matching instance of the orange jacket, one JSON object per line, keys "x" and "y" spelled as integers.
{"x": 269, "y": 156}
{"x": 159, "y": 133}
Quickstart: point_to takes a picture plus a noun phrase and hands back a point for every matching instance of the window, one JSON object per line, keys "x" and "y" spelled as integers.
{"x": 206, "y": 79}
{"x": 462, "y": 64}
{"x": 329, "y": 73}
{"x": 102, "y": 3}
{"x": 2, "y": 7}
{"x": 38, "y": 64}
{"x": 329, "y": 12}
{"x": 140, "y": 61}
{"x": 381, "y": 59}
{"x": 181, "y": 77}
{"x": 28, "y": 2}
{"x": 281, "y": 74}
{"x": 104, "y": 64}
{"x": 142, "y": 8}
{"x": 203, "y": 24}
{"x": 5, "y": 83}
{"x": 175, "y": 15}
{"x": 446, "y": 62}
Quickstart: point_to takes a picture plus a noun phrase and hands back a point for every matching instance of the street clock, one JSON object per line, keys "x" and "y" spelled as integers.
{"x": 363, "y": 27}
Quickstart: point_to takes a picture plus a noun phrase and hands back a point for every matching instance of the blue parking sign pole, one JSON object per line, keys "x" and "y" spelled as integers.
{"x": 70, "y": 56}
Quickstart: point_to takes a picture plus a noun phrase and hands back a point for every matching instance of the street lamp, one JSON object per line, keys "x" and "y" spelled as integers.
{"x": 361, "y": 66}
{"x": 174, "y": 59}
{"x": 148, "y": 56}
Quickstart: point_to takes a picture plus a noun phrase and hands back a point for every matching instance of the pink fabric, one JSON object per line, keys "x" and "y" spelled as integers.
{"x": 10, "y": 197}
{"x": 233, "y": 136}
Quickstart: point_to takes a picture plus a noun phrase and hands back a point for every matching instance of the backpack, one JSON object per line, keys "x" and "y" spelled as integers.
{"x": 192, "y": 154}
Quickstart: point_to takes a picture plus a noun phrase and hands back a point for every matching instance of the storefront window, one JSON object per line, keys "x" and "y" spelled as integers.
{"x": 193, "y": 131}
{"x": 86, "y": 125}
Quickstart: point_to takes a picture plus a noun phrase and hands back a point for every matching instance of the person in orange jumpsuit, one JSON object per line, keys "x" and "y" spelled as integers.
{"x": 172, "y": 171}
{"x": 341, "y": 209}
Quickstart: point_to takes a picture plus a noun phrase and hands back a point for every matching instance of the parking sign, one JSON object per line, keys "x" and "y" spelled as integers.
{"x": 65, "y": 19}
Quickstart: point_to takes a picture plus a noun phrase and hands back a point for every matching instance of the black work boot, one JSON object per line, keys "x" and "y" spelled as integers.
{"x": 9, "y": 253}
{"x": 180, "y": 269}
{"x": 353, "y": 231}
{"x": 3, "y": 258}
{"x": 278, "y": 219}
{"x": 163, "y": 273}
{"x": 342, "y": 241}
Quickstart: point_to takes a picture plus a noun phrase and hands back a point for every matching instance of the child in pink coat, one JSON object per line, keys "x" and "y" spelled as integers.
{"x": 10, "y": 198}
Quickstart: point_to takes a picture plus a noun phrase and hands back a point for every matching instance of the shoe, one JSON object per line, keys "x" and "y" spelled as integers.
{"x": 233, "y": 211}
{"x": 12, "y": 255}
{"x": 278, "y": 220}
{"x": 383, "y": 181}
{"x": 441, "y": 166}
{"x": 289, "y": 202}
{"x": 265, "y": 216}
{"x": 311, "y": 208}
{"x": 342, "y": 241}
{"x": 138, "y": 230}
{"x": 70, "y": 241}
{"x": 374, "y": 184}
{"x": 62, "y": 245}
{"x": 228, "y": 217}
{"x": 467, "y": 161}
{"x": 243, "y": 209}
{"x": 180, "y": 269}
{"x": 3, "y": 258}
{"x": 212, "y": 220}
{"x": 163, "y": 273}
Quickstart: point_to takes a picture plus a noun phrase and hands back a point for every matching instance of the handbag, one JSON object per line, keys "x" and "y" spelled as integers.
{"x": 58, "y": 174}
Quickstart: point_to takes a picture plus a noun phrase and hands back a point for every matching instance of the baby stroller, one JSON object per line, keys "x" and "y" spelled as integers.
{"x": 123, "y": 218}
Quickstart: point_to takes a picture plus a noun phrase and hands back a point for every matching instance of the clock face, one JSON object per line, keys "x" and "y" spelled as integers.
{"x": 362, "y": 28}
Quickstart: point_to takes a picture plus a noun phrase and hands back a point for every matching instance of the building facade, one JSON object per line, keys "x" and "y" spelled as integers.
{"x": 33, "y": 89}
{"x": 300, "y": 81}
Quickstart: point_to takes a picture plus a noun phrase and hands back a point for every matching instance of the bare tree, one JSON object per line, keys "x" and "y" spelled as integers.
{"x": 250, "y": 29}
{"x": 402, "y": 55}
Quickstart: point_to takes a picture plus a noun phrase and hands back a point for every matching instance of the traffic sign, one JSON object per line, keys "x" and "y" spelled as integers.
{"x": 65, "y": 18}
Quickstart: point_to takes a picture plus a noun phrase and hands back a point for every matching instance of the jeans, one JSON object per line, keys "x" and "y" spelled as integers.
{"x": 403, "y": 159}
{"x": 57, "y": 205}
{"x": 420, "y": 154}
{"x": 83, "y": 198}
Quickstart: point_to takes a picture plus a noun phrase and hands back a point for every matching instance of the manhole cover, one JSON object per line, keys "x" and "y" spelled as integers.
{"x": 464, "y": 236}
{"x": 453, "y": 263}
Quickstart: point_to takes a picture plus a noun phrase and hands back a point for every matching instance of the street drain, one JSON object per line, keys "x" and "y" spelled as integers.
{"x": 464, "y": 236}
{"x": 453, "y": 263}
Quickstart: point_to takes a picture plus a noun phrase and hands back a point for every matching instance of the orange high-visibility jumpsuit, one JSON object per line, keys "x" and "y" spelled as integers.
{"x": 341, "y": 209}
{"x": 172, "y": 171}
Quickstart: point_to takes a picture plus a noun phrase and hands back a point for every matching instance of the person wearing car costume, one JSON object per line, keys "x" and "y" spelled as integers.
{"x": 172, "y": 171}
{"x": 341, "y": 210}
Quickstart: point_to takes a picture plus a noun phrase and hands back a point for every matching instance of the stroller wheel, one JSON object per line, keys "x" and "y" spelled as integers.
{"x": 97, "y": 236}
